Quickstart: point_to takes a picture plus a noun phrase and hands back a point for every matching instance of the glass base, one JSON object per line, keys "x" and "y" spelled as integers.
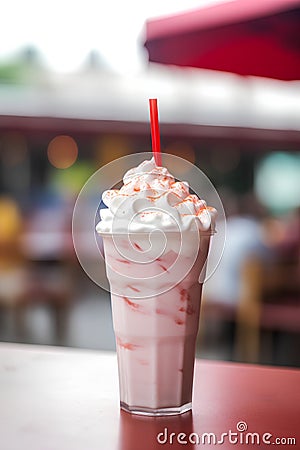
{"x": 172, "y": 411}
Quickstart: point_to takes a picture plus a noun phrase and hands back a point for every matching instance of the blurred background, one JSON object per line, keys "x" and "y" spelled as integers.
{"x": 74, "y": 87}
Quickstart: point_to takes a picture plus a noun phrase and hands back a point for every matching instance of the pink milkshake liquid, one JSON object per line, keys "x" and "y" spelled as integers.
{"x": 156, "y": 306}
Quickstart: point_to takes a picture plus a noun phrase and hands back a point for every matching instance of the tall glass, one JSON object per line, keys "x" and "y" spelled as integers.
{"x": 156, "y": 293}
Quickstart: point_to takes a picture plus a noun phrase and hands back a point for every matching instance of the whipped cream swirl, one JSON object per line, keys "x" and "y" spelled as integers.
{"x": 152, "y": 199}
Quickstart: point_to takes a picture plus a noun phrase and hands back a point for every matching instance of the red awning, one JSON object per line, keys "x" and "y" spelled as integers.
{"x": 247, "y": 37}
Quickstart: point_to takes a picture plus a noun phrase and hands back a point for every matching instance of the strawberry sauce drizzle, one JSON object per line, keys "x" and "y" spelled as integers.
{"x": 184, "y": 295}
{"x": 133, "y": 288}
{"x": 162, "y": 312}
{"x": 188, "y": 310}
{"x": 132, "y": 305}
{"x": 137, "y": 246}
{"x": 126, "y": 345}
{"x": 179, "y": 321}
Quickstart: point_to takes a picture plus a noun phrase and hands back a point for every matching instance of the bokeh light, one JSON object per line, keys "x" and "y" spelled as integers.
{"x": 62, "y": 152}
{"x": 68, "y": 182}
{"x": 277, "y": 181}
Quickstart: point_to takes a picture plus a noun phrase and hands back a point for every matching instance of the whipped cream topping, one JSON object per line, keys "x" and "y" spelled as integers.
{"x": 152, "y": 199}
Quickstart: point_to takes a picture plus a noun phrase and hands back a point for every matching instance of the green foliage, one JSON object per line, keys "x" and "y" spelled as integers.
{"x": 11, "y": 73}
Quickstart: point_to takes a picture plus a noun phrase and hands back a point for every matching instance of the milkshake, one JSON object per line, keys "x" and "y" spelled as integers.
{"x": 156, "y": 237}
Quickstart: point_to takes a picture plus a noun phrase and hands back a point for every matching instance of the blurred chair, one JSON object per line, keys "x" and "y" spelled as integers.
{"x": 24, "y": 282}
{"x": 47, "y": 245}
{"x": 225, "y": 291}
{"x": 271, "y": 296}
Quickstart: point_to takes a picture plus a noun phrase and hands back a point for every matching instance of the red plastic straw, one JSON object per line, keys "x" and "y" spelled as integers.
{"x": 155, "y": 131}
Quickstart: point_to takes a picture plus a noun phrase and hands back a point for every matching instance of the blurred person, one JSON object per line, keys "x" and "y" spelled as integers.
{"x": 231, "y": 293}
{"x": 282, "y": 236}
{"x": 280, "y": 290}
{"x": 244, "y": 240}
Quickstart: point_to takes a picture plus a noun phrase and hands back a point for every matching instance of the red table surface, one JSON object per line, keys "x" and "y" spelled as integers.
{"x": 63, "y": 399}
